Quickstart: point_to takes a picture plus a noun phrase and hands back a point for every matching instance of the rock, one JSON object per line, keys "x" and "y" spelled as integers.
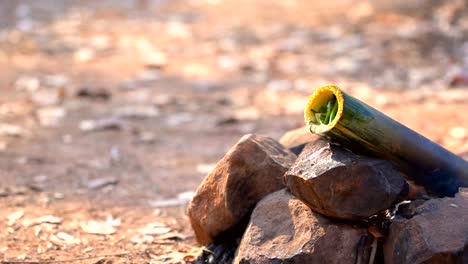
{"x": 436, "y": 233}
{"x": 296, "y": 139}
{"x": 252, "y": 169}
{"x": 283, "y": 229}
{"x": 340, "y": 184}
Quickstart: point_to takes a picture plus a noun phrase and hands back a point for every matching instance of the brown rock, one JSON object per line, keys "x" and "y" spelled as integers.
{"x": 296, "y": 139}
{"x": 341, "y": 184}
{"x": 253, "y": 168}
{"x": 437, "y": 233}
{"x": 283, "y": 229}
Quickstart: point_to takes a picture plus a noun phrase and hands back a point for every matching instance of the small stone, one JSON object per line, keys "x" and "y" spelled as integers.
{"x": 115, "y": 154}
{"x": 280, "y": 85}
{"x": 142, "y": 239}
{"x": 27, "y": 83}
{"x": 21, "y": 257}
{"x": 434, "y": 232}
{"x": 100, "y": 183}
{"x": 206, "y": 85}
{"x": 175, "y": 120}
{"x": 340, "y": 184}
{"x": 282, "y": 229}
{"x": 48, "y": 96}
{"x": 55, "y": 81}
{"x": 12, "y": 130}
{"x": 177, "y": 29}
{"x": 100, "y": 124}
{"x": 228, "y": 63}
{"x": 137, "y": 111}
{"x": 147, "y": 137}
{"x": 149, "y": 75}
{"x": 458, "y": 132}
{"x": 50, "y": 116}
{"x": 155, "y": 59}
{"x": 84, "y": 55}
{"x": 100, "y": 42}
{"x": 58, "y": 195}
{"x": 40, "y": 178}
{"x": 252, "y": 169}
{"x": 247, "y": 113}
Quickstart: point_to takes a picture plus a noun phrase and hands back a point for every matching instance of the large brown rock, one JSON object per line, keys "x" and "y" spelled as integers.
{"x": 282, "y": 229}
{"x": 436, "y": 233}
{"x": 340, "y": 184}
{"x": 252, "y": 169}
{"x": 296, "y": 139}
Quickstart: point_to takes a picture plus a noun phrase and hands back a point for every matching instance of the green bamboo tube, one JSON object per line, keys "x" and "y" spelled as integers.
{"x": 359, "y": 127}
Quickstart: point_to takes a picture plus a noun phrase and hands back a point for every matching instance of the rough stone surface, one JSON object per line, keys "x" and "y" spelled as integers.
{"x": 340, "y": 184}
{"x": 436, "y": 233}
{"x": 253, "y": 168}
{"x": 296, "y": 139}
{"x": 283, "y": 229}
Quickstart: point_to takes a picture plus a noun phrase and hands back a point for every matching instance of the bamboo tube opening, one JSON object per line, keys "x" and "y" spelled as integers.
{"x": 324, "y": 98}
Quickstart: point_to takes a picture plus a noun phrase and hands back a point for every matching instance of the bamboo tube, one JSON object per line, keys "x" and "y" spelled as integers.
{"x": 359, "y": 127}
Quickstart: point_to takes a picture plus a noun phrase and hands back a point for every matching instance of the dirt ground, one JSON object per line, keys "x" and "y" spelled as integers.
{"x": 112, "y": 112}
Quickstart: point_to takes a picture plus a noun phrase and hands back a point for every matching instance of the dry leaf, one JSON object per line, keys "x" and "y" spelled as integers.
{"x": 15, "y": 216}
{"x": 154, "y": 229}
{"x": 50, "y": 219}
{"x": 62, "y": 239}
{"x": 98, "y": 228}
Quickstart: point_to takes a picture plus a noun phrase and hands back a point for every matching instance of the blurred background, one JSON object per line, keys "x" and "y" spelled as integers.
{"x": 132, "y": 102}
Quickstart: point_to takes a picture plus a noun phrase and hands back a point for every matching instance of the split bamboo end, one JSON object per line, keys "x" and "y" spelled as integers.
{"x": 319, "y": 99}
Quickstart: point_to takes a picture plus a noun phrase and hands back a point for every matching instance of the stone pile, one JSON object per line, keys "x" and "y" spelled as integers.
{"x": 306, "y": 200}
